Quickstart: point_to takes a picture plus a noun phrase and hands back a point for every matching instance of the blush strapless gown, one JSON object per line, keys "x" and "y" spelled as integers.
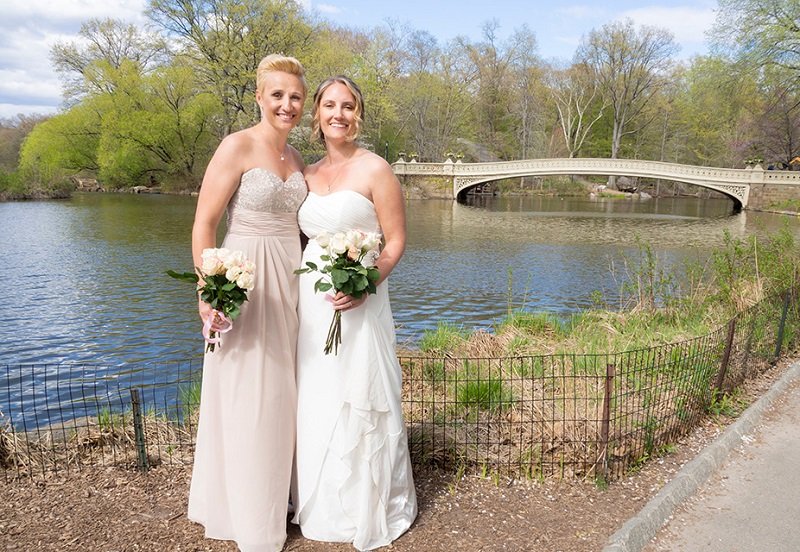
{"x": 245, "y": 436}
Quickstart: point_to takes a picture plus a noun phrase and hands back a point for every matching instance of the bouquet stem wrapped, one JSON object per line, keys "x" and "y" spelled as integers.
{"x": 227, "y": 277}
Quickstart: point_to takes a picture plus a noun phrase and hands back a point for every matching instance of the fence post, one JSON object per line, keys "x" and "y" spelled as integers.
{"x": 138, "y": 429}
{"x": 726, "y": 356}
{"x": 606, "y": 421}
{"x": 781, "y": 327}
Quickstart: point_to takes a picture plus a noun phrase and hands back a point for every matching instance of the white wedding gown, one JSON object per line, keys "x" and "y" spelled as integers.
{"x": 353, "y": 481}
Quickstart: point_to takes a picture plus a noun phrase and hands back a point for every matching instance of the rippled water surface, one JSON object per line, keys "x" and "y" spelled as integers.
{"x": 84, "y": 279}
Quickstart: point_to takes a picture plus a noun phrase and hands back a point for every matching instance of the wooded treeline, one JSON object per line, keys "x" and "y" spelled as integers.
{"x": 150, "y": 105}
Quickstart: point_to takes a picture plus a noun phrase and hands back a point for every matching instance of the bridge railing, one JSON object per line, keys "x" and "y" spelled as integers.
{"x": 600, "y": 166}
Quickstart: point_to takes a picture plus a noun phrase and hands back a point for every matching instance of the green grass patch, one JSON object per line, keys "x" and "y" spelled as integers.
{"x": 446, "y": 336}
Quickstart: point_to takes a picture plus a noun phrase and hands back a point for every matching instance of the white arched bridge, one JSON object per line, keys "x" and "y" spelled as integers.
{"x": 738, "y": 184}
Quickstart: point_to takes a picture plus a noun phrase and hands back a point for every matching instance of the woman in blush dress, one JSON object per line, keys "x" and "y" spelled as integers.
{"x": 245, "y": 437}
{"x": 354, "y": 480}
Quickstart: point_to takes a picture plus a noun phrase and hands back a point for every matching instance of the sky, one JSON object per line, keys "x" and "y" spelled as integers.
{"x": 29, "y": 28}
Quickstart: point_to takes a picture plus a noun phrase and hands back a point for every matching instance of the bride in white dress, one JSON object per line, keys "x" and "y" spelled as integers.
{"x": 354, "y": 481}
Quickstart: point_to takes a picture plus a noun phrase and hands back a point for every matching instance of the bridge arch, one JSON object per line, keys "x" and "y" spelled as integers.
{"x": 452, "y": 179}
{"x": 706, "y": 177}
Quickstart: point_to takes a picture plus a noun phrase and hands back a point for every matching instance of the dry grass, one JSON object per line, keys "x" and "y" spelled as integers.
{"x": 95, "y": 441}
{"x": 540, "y": 416}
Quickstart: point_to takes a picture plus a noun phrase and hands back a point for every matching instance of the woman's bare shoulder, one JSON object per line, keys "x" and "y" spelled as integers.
{"x": 373, "y": 163}
{"x": 312, "y": 169}
{"x": 241, "y": 140}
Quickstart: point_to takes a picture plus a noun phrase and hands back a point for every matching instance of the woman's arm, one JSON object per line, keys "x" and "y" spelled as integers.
{"x": 219, "y": 183}
{"x": 387, "y": 196}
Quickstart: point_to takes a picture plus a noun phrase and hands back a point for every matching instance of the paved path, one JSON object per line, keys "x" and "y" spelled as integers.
{"x": 741, "y": 494}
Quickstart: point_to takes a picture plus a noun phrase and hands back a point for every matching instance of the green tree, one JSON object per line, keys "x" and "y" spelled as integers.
{"x": 62, "y": 146}
{"x": 158, "y": 127}
{"x": 530, "y": 103}
{"x": 492, "y": 62}
{"x": 12, "y": 133}
{"x": 631, "y": 65}
{"x": 224, "y": 40}
{"x": 759, "y": 32}
{"x": 434, "y": 97}
{"x": 711, "y": 112}
{"x": 104, "y": 42}
{"x": 578, "y": 101}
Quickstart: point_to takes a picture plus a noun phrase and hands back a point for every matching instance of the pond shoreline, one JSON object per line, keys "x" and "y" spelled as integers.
{"x": 65, "y": 195}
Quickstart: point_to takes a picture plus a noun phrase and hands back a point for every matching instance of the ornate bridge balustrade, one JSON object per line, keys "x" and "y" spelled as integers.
{"x": 751, "y": 187}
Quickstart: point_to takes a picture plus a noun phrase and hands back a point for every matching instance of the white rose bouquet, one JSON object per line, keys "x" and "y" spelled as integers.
{"x": 350, "y": 268}
{"x": 228, "y": 276}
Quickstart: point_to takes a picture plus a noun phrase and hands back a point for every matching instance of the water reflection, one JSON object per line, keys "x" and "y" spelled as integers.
{"x": 559, "y": 251}
{"x": 85, "y": 281}
{"x": 89, "y": 284}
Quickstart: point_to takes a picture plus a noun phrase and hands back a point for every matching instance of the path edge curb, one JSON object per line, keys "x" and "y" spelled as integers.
{"x": 639, "y": 530}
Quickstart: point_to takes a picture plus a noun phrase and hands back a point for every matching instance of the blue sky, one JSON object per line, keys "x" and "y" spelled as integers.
{"x": 29, "y": 28}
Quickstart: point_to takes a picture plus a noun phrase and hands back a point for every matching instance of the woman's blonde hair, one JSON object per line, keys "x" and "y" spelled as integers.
{"x": 284, "y": 64}
{"x": 358, "y": 112}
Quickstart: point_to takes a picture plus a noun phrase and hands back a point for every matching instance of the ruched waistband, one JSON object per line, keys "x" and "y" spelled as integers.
{"x": 243, "y": 222}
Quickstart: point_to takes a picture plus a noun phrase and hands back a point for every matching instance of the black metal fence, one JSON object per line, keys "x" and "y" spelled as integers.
{"x": 560, "y": 415}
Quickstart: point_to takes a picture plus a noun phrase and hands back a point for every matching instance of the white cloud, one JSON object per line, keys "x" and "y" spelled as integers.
{"x": 688, "y": 24}
{"x": 69, "y": 12}
{"x": 579, "y": 11}
{"x": 9, "y": 111}
{"x": 28, "y": 30}
{"x": 328, "y": 8}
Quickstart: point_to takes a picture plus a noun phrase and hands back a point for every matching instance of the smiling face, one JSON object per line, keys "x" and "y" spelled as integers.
{"x": 338, "y": 109}
{"x": 281, "y": 98}
{"x": 337, "y": 112}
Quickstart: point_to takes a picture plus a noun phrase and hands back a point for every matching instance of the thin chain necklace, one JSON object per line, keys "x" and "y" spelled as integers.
{"x": 341, "y": 167}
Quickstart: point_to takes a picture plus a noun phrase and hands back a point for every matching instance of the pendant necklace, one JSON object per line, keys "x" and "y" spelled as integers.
{"x": 335, "y": 178}
{"x": 339, "y": 172}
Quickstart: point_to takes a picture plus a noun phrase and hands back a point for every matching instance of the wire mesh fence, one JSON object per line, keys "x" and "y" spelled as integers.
{"x": 559, "y": 415}
{"x": 63, "y": 417}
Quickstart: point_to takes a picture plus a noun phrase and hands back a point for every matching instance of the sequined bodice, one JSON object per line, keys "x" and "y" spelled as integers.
{"x": 264, "y": 191}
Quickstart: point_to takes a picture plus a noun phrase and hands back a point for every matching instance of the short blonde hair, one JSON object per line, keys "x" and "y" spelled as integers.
{"x": 358, "y": 112}
{"x": 284, "y": 64}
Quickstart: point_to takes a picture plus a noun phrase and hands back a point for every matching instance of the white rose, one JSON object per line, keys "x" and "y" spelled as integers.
{"x": 212, "y": 264}
{"x": 233, "y": 259}
{"x": 233, "y": 273}
{"x": 337, "y": 244}
{"x": 371, "y": 241}
{"x": 246, "y": 281}
{"x": 249, "y": 267}
{"x": 370, "y": 258}
{"x": 323, "y": 239}
{"x": 353, "y": 239}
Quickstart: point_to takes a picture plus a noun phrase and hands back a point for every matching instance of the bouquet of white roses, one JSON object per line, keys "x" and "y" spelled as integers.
{"x": 228, "y": 276}
{"x": 350, "y": 268}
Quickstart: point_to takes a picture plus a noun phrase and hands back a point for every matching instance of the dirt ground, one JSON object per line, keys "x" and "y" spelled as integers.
{"x": 118, "y": 510}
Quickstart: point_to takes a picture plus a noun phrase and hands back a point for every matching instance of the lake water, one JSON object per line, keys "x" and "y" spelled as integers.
{"x": 84, "y": 278}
